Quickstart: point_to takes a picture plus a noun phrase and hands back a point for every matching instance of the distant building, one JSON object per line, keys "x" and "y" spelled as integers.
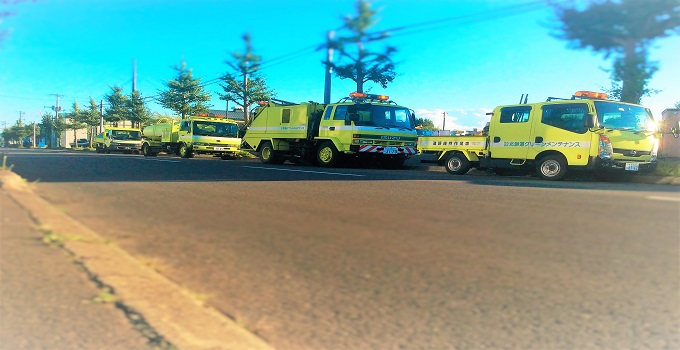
{"x": 670, "y": 145}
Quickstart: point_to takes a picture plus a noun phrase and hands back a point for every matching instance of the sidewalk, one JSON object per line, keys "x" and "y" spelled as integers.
{"x": 46, "y": 302}
{"x": 84, "y": 292}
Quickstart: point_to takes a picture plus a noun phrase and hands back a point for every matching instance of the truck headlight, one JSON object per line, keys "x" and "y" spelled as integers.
{"x": 605, "y": 149}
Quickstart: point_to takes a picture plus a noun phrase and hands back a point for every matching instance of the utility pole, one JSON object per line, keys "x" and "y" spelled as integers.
{"x": 444, "y": 124}
{"x": 329, "y": 68}
{"x": 21, "y": 113}
{"x": 134, "y": 74}
{"x": 56, "y": 108}
{"x": 101, "y": 116}
{"x": 134, "y": 85}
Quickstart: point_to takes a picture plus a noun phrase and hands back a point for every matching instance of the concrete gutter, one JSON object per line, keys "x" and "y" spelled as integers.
{"x": 139, "y": 291}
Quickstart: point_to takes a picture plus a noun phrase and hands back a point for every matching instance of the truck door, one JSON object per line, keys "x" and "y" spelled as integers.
{"x": 185, "y": 131}
{"x": 510, "y": 134}
{"x": 333, "y": 126}
{"x": 561, "y": 127}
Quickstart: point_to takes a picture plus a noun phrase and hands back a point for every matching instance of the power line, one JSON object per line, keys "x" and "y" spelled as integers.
{"x": 529, "y": 6}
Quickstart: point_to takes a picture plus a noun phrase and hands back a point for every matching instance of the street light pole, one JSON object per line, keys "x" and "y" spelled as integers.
{"x": 444, "y": 124}
{"x": 329, "y": 68}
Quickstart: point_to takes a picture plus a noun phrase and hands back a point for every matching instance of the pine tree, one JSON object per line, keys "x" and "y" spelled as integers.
{"x": 625, "y": 30}
{"x": 138, "y": 112}
{"x": 363, "y": 65}
{"x": 75, "y": 121}
{"x": 91, "y": 117}
{"x": 246, "y": 86}
{"x": 117, "y": 110}
{"x": 184, "y": 94}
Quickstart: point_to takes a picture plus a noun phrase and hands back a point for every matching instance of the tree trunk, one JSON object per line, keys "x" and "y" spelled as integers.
{"x": 632, "y": 73}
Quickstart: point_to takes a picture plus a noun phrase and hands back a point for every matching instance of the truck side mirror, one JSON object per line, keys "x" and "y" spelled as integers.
{"x": 591, "y": 121}
{"x": 353, "y": 118}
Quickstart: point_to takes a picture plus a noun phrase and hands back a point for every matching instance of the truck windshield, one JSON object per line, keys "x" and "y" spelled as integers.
{"x": 133, "y": 135}
{"x": 382, "y": 116}
{"x": 620, "y": 116}
{"x": 215, "y": 129}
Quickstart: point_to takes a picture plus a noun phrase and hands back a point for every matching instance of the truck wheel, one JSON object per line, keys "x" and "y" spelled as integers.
{"x": 457, "y": 164}
{"x": 327, "y": 155}
{"x": 106, "y": 149}
{"x": 552, "y": 167}
{"x": 185, "y": 151}
{"x": 267, "y": 153}
{"x": 147, "y": 152}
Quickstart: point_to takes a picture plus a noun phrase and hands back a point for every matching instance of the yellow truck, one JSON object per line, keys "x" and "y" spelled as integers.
{"x": 364, "y": 126}
{"x": 118, "y": 139}
{"x": 584, "y": 132}
{"x": 191, "y": 136}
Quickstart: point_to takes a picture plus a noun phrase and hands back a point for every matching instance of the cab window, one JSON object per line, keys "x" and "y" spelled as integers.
{"x": 327, "y": 114}
{"x": 285, "y": 116}
{"x": 515, "y": 114}
{"x": 570, "y": 117}
{"x": 340, "y": 113}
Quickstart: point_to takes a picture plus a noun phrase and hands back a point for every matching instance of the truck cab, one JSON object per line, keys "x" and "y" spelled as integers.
{"x": 118, "y": 139}
{"x": 362, "y": 126}
{"x": 584, "y": 132}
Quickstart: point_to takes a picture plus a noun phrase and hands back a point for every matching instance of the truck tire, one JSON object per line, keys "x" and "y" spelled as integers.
{"x": 327, "y": 155}
{"x": 147, "y": 152}
{"x": 267, "y": 153}
{"x": 552, "y": 167}
{"x": 106, "y": 149}
{"x": 185, "y": 151}
{"x": 457, "y": 164}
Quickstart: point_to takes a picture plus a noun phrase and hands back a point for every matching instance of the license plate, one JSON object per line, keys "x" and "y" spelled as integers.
{"x": 390, "y": 150}
{"x": 127, "y": 147}
{"x": 632, "y": 166}
{"x": 220, "y": 148}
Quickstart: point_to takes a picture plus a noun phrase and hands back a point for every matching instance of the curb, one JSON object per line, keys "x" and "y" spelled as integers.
{"x": 166, "y": 307}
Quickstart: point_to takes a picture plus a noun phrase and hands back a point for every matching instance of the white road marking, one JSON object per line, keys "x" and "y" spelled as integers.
{"x": 161, "y": 160}
{"x": 304, "y": 171}
{"x": 670, "y": 199}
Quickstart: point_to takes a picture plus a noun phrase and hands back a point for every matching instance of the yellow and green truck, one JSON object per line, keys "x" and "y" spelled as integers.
{"x": 584, "y": 132}
{"x": 362, "y": 126}
{"x": 118, "y": 139}
{"x": 191, "y": 136}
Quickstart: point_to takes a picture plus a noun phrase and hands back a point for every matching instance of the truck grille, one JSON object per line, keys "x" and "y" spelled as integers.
{"x": 631, "y": 152}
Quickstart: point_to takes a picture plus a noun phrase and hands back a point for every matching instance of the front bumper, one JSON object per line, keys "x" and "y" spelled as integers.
{"x": 387, "y": 150}
{"x": 124, "y": 147}
{"x": 623, "y": 165}
{"x": 215, "y": 149}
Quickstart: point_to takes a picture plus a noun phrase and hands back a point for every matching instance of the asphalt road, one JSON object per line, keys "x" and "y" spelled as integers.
{"x": 350, "y": 258}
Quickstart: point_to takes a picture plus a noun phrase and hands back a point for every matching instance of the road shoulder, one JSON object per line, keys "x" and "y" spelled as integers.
{"x": 156, "y": 306}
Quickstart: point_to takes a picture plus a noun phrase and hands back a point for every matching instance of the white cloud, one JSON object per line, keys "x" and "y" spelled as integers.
{"x": 456, "y": 119}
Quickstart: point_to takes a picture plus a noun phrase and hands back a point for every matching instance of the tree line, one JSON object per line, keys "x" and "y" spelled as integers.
{"x": 623, "y": 30}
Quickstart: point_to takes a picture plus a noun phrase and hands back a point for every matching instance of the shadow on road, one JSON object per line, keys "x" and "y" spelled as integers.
{"x": 50, "y": 166}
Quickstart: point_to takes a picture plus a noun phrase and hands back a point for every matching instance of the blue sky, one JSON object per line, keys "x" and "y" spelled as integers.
{"x": 79, "y": 49}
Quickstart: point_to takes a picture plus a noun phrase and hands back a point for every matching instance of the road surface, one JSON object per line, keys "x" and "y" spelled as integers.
{"x": 350, "y": 258}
